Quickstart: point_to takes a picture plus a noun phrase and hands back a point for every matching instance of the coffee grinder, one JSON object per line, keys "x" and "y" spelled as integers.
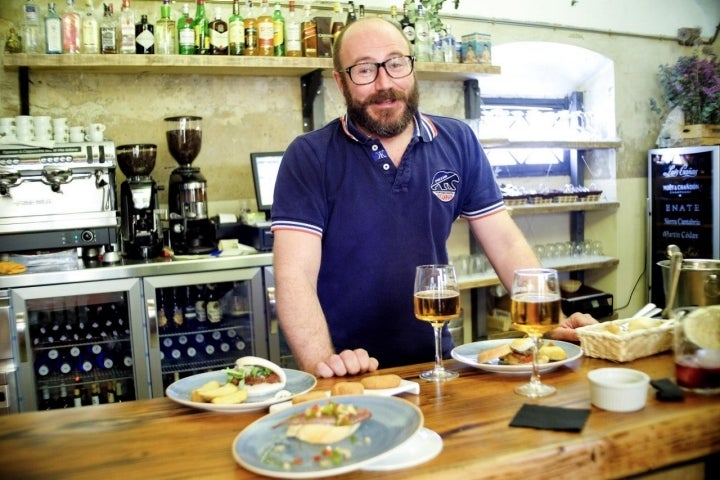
{"x": 140, "y": 224}
{"x": 191, "y": 231}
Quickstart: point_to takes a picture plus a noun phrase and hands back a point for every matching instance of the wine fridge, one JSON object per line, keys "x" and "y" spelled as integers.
{"x": 79, "y": 344}
{"x": 202, "y": 322}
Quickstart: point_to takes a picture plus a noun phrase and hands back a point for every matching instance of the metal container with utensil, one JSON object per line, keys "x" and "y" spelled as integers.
{"x": 698, "y": 283}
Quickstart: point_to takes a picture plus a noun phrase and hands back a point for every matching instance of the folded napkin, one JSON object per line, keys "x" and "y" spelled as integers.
{"x": 550, "y": 418}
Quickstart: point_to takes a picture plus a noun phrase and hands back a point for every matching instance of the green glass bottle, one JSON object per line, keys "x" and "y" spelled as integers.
{"x": 236, "y": 31}
{"x": 186, "y": 33}
{"x": 201, "y": 25}
{"x": 278, "y": 32}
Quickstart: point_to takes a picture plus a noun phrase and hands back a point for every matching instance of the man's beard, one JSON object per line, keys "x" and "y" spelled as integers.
{"x": 384, "y": 126}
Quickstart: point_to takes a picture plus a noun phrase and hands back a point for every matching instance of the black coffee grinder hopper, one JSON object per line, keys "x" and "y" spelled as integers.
{"x": 140, "y": 223}
{"x": 191, "y": 230}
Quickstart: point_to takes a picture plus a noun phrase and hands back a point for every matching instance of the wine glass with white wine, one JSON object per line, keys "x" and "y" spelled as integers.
{"x": 437, "y": 301}
{"x": 535, "y": 309}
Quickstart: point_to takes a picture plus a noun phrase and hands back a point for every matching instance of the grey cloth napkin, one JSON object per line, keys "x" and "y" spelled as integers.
{"x": 550, "y": 418}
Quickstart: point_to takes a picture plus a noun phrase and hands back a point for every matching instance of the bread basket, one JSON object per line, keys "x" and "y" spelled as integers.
{"x": 626, "y": 339}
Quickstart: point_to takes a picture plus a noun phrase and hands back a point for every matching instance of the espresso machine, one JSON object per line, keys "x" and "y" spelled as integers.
{"x": 58, "y": 197}
{"x": 140, "y": 222}
{"x": 191, "y": 230}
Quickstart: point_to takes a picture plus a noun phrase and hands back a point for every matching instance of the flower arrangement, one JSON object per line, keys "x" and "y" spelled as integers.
{"x": 693, "y": 85}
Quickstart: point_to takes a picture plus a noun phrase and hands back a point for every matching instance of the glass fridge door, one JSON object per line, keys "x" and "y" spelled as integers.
{"x": 203, "y": 322}
{"x": 78, "y": 344}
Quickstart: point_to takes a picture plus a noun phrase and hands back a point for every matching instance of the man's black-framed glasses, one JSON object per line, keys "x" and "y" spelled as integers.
{"x": 395, "y": 67}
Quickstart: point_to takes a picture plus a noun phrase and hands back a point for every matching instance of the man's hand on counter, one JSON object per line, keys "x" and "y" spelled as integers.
{"x": 566, "y": 330}
{"x": 347, "y": 362}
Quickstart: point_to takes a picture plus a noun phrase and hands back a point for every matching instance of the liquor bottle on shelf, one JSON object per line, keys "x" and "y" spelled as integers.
{"x": 293, "y": 33}
{"x": 450, "y": 47}
{"x": 265, "y": 31}
{"x": 144, "y": 36}
{"x": 423, "y": 36}
{"x": 236, "y": 37}
{"x": 95, "y": 394}
{"x": 108, "y": 31}
{"x": 110, "y": 392}
{"x": 120, "y": 391}
{"x": 90, "y": 30}
{"x": 64, "y": 401}
{"x": 338, "y": 22}
{"x": 165, "y": 35}
{"x": 178, "y": 319}
{"x": 198, "y": 294}
{"x": 53, "y": 31}
{"x": 201, "y": 26}
{"x": 394, "y": 17}
{"x": 251, "y": 30}
{"x": 408, "y": 28}
{"x": 77, "y": 397}
{"x": 162, "y": 312}
{"x": 189, "y": 308}
{"x": 44, "y": 365}
{"x": 186, "y": 33}
{"x": 351, "y": 15}
{"x": 309, "y": 33}
{"x": 278, "y": 31}
{"x": 31, "y": 32}
{"x": 127, "y": 28}
{"x": 213, "y": 306}
{"x": 218, "y": 46}
{"x": 45, "y": 403}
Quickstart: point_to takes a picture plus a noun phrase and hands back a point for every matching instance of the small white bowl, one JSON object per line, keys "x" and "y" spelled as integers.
{"x": 618, "y": 389}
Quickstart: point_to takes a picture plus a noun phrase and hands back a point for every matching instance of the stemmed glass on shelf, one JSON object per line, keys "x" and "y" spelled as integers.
{"x": 437, "y": 301}
{"x": 535, "y": 309}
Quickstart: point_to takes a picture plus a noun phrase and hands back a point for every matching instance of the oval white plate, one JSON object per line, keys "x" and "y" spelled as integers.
{"x": 297, "y": 383}
{"x": 468, "y": 353}
{"x": 263, "y": 447}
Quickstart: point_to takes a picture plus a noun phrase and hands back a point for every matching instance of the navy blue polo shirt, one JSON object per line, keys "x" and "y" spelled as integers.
{"x": 378, "y": 222}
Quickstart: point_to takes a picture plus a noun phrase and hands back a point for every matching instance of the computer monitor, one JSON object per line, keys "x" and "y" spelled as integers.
{"x": 265, "y": 167}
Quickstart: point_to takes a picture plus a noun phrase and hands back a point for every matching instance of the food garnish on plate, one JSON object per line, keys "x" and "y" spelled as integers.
{"x": 519, "y": 352}
{"x": 324, "y": 424}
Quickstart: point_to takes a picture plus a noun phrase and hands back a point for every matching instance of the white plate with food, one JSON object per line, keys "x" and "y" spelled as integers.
{"x": 469, "y": 352}
{"x": 291, "y": 444}
{"x": 297, "y": 383}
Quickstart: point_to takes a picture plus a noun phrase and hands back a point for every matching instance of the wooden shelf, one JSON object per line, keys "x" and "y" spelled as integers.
{"x": 531, "y": 209}
{"x": 564, "y": 264}
{"x": 221, "y": 65}
{"x": 564, "y": 144}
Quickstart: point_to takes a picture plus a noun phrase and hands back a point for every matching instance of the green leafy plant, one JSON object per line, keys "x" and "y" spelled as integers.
{"x": 693, "y": 85}
{"x": 432, "y": 11}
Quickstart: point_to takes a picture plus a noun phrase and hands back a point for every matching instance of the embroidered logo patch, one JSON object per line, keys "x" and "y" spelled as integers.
{"x": 444, "y": 185}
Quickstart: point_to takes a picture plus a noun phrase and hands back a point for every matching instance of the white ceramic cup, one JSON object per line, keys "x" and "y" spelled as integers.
{"x": 42, "y": 128}
{"x": 7, "y": 132}
{"x": 61, "y": 134}
{"x": 618, "y": 389}
{"x": 77, "y": 134}
{"x": 94, "y": 132}
{"x": 7, "y": 121}
{"x": 23, "y": 122}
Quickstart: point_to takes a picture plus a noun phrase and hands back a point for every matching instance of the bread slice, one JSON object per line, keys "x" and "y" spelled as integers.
{"x": 487, "y": 356}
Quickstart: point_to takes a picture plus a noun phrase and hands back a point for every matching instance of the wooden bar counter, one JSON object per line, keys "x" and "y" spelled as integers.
{"x": 158, "y": 439}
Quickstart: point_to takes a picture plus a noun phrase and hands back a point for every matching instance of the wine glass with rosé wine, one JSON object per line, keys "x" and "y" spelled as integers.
{"x": 437, "y": 301}
{"x": 535, "y": 309}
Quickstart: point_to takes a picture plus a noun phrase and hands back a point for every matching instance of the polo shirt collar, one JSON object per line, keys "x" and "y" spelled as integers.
{"x": 424, "y": 129}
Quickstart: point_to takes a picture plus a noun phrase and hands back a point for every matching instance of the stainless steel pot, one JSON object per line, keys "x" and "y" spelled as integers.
{"x": 698, "y": 284}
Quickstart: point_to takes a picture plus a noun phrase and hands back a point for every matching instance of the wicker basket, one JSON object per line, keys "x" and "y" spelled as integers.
{"x": 601, "y": 341}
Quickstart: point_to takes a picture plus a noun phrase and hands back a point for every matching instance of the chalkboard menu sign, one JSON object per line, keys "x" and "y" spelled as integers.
{"x": 683, "y": 201}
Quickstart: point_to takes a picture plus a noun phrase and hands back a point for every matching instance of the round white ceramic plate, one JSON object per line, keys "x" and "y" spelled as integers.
{"x": 468, "y": 353}
{"x": 264, "y": 448}
{"x": 297, "y": 383}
